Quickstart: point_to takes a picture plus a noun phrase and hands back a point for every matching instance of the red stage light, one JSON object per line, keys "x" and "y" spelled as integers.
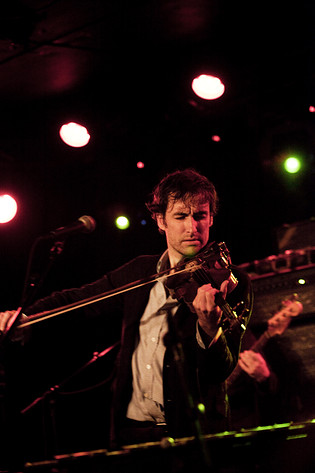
{"x": 8, "y": 208}
{"x": 74, "y": 135}
{"x": 208, "y": 87}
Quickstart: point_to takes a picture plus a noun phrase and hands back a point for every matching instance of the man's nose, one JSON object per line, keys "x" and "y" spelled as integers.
{"x": 191, "y": 224}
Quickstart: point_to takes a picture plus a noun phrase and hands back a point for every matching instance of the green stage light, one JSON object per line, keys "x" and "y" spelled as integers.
{"x": 122, "y": 222}
{"x": 292, "y": 165}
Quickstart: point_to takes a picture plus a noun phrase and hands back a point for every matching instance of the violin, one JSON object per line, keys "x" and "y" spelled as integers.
{"x": 212, "y": 265}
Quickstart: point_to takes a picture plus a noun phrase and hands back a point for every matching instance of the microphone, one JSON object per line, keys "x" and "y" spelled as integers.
{"x": 84, "y": 224}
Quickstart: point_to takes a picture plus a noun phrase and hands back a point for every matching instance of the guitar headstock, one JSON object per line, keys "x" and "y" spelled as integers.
{"x": 280, "y": 321}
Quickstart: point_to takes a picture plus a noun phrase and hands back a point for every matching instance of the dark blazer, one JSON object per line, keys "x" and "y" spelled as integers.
{"x": 199, "y": 374}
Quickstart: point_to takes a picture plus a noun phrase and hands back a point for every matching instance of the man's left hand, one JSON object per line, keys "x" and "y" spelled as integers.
{"x": 208, "y": 312}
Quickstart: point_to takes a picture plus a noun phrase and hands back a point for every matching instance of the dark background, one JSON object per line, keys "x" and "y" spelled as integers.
{"x": 124, "y": 70}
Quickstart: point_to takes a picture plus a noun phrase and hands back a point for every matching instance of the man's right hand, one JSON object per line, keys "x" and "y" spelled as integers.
{"x": 4, "y": 319}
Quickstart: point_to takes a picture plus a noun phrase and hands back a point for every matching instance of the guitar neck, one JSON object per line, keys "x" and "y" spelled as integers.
{"x": 261, "y": 342}
{"x": 277, "y": 325}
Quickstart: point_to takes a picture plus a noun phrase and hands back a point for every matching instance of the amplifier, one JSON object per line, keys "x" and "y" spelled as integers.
{"x": 275, "y": 280}
{"x": 277, "y": 277}
{"x": 272, "y": 288}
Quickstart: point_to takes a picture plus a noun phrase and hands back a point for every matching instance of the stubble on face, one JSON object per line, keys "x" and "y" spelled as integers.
{"x": 186, "y": 225}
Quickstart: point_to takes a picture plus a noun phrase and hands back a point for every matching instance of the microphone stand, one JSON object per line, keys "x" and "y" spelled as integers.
{"x": 51, "y": 391}
{"x": 32, "y": 284}
{"x": 192, "y": 409}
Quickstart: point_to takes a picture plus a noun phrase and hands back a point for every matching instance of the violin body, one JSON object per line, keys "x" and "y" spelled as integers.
{"x": 185, "y": 286}
{"x": 212, "y": 265}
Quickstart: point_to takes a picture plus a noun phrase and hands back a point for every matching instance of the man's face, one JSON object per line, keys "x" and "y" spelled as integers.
{"x": 186, "y": 225}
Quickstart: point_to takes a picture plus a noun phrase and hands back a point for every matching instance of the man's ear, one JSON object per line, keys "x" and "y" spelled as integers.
{"x": 160, "y": 222}
{"x": 211, "y": 221}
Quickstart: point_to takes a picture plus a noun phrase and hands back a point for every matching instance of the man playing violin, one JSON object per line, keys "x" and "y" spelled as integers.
{"x": 170, "y": 352}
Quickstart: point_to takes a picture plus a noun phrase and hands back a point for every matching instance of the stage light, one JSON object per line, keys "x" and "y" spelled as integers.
{"x": 292, "y": 164}
{"x": 122, "y": 222}
{"x": 74, "y": 135}
{"x": 208, "y": 87}
{"x": 8, "y": 208}
{"x": 140, "y": 165}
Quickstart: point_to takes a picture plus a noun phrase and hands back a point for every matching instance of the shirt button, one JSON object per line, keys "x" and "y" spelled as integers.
{"x": 148, "y": 367}
{"x": 153, "y": 339}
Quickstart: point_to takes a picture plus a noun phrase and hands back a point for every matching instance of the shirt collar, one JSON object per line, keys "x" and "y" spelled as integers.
{"x": 163, "y": 263}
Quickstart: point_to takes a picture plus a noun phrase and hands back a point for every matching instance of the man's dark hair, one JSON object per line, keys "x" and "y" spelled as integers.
{"x": 185, "y": 185}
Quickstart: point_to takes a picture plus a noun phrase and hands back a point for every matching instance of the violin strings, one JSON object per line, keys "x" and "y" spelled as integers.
{"x": 203, "y": 277}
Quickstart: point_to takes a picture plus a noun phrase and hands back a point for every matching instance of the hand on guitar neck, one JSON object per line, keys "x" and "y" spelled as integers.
{"x": 251, "y": 361}
{"x": 254, "y": 365}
